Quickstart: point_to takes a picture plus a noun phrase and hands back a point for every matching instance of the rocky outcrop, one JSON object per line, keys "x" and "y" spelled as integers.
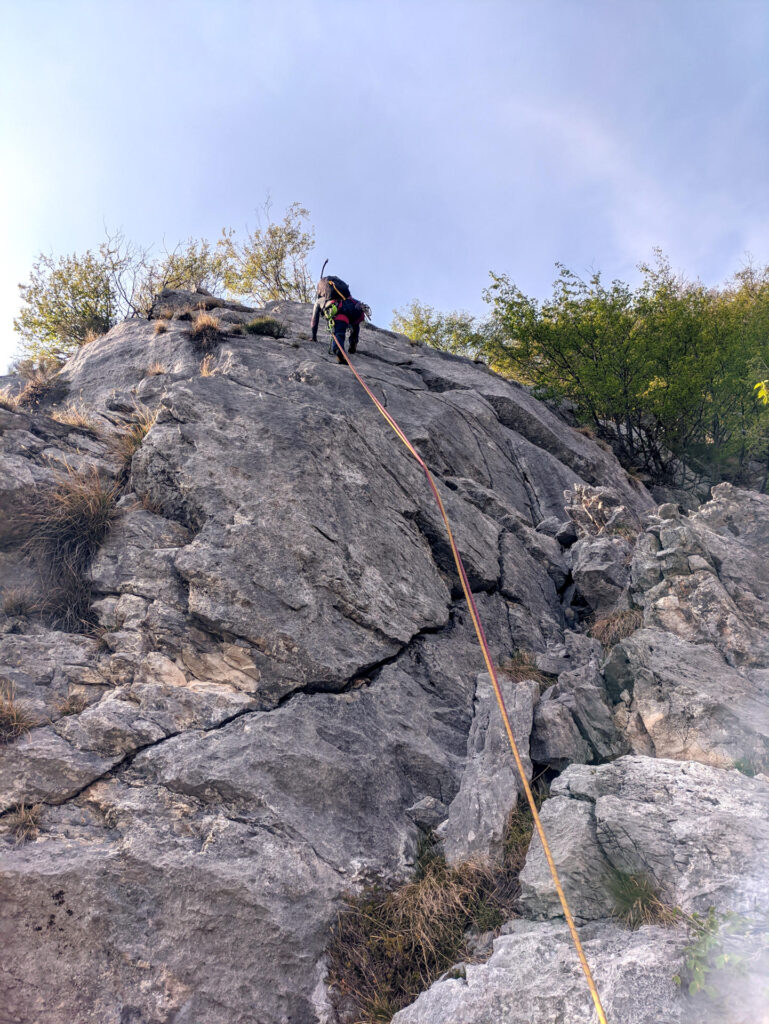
{"x": 280, "y": 689}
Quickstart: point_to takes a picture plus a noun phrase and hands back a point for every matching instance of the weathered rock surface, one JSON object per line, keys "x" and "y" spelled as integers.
{"x": 490, "y": 785}
{"x": 684, "y": 700}
{"x": 282, "y": 686}
{"x": 533, "y": 977}
{"x": 699, "y": 833}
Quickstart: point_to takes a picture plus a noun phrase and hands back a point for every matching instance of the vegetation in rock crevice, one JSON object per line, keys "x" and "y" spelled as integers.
{"x": 389, "y": 944}
{"x": 15, "y": 719}
{"x": 126, "y": 442}
{"x": 610, "y": 629}
{"x": 23, "y": 822}
{"x": 637, "y": 900}
{"x": 63, "y": 525}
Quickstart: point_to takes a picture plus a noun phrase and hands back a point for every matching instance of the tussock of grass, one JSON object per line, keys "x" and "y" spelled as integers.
{"x": 42, "y": 385}
{"x": 74, "y": 416}
{"x": 126, "y": 443}
{"x": 155, "y": 369}
{"x": 268, "y": 326}
{"x": 64, "y": 524}
{"x": 207, "y": 366}
{"x": 206, "y": 333}
{"x": 15, "y": 719}
{"x": 18, "y": 602}
{"x": 521, "y": 666}
{"x": 160, "y": 327}
{"x": 610, "y": 629}
{"x": 72, "y": 704}
{"x": 24, "y": 821}
{"x": 7, "y": 400}
{"x": 637, "y": 901}
{"x": 389, "y": 944}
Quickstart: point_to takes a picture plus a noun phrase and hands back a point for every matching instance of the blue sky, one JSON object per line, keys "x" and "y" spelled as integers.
{"x": 431, "y": 141}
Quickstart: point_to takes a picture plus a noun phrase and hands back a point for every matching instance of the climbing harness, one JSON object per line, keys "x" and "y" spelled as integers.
{"x": 479, "y": 631}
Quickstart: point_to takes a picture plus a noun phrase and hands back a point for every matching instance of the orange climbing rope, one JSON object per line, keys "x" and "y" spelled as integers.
{"x": 495, "y": 682}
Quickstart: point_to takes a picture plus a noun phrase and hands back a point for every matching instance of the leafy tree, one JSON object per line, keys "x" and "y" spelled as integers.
{"x": 457, "y": 332}
{"x": 66, "y": 300}
{"x": 191, "y": 266}
{"x": 271, "y": 262}
{"x": 664, "y": 369}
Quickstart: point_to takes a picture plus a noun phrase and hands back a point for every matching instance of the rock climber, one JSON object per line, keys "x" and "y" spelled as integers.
{"x": 342, "y": 312}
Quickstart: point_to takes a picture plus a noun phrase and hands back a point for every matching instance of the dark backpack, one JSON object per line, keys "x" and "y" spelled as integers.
{"x": 333, "y": 289}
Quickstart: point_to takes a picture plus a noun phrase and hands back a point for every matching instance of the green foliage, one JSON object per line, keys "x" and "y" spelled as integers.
{"x": 271, "y": 261}
{"x": 667, "y": 366}
{"x": 68, "y": 301}
{"x": 64, "y": 301}
{"x": 458, "y": 332}
{"x": 192, "y": 265}
{"x": 268, "y": 326}
{"x": 710, "y": 950}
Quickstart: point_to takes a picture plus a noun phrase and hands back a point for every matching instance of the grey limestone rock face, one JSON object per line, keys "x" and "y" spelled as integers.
{"x": 490, "y": 785}
{"x": 533, "y": 977}
{"x": 282, "y": 692}
{"x": 283, "y": 687}
{"x": 705, "y": 576}
{"x": 698, "y": 832}
{"x": 573, "y": 721}
{"x": 683, "y": 700}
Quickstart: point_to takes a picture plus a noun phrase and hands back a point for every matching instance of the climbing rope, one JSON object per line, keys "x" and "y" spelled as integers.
{"x": 474, "y": 614}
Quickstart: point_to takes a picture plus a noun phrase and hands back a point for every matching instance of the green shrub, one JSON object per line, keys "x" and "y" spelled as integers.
{"x": 266, "y": 325}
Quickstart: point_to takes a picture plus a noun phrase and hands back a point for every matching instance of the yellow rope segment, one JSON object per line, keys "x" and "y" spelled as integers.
{"x": 479, "y": 631}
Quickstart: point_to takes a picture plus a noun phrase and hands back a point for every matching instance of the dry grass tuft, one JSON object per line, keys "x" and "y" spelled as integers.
{"x": 161, "y": 327}
{"x": 522, "y": 665}
{"x": 15, "y": 718}
{"x": 207, "y": 366}
{"x": 610, "y": 629}
{"x": 18, "y": 602}
{"x": 156, "y": 369}
{"x": 90, "y": 336}
{"x": 637, "y": 901}
{"x": 64, "y": 524}
{"x": 75, "y": 416}
{"x": 128, "y": 441}
{"x": 206, "y": 333}
{"x": 42, "y": 384}
{"x": 586, "y": 431}
{"x": 8, "y": 400}
{"x": 72, "y": 704}
{"x": 24, "y": 821}
{"x": 389, "y": 945}
{"x": 266, "y": 325}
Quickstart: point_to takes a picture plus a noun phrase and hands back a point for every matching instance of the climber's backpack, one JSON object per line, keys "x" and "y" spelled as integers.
{"x": 333, "y": 289}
